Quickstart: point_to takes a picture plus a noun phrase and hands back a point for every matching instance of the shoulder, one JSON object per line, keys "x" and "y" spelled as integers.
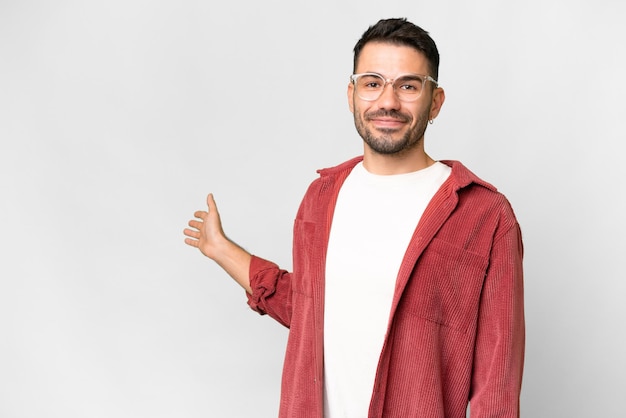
{"x": 335, "y": 174}
{"x": 463, "y": 177}
{"x": 478, "y": 194}
{"x": 345, "y": 166}
{"x": 322, "y": 192}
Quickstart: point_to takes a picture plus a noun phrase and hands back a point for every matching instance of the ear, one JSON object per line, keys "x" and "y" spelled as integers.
{"x": 439, "y": 96}
{"x": 351, "y": 96}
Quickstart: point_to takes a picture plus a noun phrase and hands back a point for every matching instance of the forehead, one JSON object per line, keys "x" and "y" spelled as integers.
{"x": 391, "y": 60}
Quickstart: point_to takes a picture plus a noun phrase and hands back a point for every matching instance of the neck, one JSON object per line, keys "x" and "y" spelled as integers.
{"x": 401, "y": 163}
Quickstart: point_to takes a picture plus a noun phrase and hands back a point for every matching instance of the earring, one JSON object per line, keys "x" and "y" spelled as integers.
{"x": 431, "y": 121}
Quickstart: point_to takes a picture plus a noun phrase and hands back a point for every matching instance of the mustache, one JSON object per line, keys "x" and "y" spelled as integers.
{"x": 384, "y": 113}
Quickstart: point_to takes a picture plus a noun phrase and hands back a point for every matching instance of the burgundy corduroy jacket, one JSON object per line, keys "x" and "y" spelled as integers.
{"x": 456, "y": 328}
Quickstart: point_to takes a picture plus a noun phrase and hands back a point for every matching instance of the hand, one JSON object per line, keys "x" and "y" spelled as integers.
{"x": 206, "y": 233}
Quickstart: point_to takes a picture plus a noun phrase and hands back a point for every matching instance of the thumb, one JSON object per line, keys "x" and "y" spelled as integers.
{"x": 214, "y": 223}
{"x": 210, "y": 201}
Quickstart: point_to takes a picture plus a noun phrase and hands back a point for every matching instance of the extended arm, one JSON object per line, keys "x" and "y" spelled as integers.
{"x": 206, "y": 233}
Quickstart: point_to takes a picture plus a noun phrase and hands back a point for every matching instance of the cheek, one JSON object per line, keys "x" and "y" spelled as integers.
{"x": 357, "y": 109}
{"x": 418, "y": 113}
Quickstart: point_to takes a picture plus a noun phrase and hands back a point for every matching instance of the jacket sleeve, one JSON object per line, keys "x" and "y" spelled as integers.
{"x": 500, "y": 338}
{"x": 271, "y": 290}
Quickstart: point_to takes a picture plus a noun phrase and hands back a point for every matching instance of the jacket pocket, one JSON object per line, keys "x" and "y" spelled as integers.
{"x": 445, "y": 285}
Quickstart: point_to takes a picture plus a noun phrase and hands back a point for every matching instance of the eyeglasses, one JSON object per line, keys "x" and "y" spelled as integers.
{"x": 408, "y": 88}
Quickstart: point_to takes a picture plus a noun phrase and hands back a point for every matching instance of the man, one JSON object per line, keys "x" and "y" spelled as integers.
{"x": 406, "y": 297}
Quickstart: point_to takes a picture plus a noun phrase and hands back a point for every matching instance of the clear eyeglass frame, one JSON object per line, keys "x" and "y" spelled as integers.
{"x": 407, "y": 92}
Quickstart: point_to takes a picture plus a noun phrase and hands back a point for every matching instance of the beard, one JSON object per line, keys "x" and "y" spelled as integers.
{"x": 384, "y": 142}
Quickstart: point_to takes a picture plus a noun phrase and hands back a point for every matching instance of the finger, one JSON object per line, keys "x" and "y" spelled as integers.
{"x": 200, "y": 214}
{"x": 191, "y": 242}
{"x": 191, "y": 233}
{"x": 195, "y": 224}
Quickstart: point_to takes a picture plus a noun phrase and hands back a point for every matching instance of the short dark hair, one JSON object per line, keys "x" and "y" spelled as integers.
{"x": 400, "y": 31}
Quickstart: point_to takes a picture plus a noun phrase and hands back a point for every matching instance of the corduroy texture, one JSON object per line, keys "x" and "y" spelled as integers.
{"x": 456, "y": 328}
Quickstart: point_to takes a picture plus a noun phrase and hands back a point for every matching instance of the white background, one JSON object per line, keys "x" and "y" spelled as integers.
{"x": 118, "y": 117}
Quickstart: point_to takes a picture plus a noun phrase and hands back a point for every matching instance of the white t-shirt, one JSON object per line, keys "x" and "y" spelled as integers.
{"x": 373, "y": 222}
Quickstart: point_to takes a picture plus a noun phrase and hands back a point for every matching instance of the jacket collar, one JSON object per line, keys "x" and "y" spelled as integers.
{"x": 460, "y": 174}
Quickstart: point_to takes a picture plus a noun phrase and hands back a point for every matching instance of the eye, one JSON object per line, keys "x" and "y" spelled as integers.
{"x": 370, "y": 82}
{"x": 409, "y": 85}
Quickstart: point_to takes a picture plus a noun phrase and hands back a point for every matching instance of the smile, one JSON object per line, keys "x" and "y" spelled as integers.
{"x": 387, "y": 123}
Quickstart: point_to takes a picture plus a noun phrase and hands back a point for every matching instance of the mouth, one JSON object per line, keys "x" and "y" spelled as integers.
{"x": 387, "y": 120}
{"x": 387, "y": 123}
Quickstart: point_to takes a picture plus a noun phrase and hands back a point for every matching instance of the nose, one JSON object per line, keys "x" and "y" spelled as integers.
{"x": 388, "y": 98}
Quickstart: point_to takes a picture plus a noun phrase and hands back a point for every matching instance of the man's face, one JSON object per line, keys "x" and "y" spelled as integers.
{"x": 389, "y": 125}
